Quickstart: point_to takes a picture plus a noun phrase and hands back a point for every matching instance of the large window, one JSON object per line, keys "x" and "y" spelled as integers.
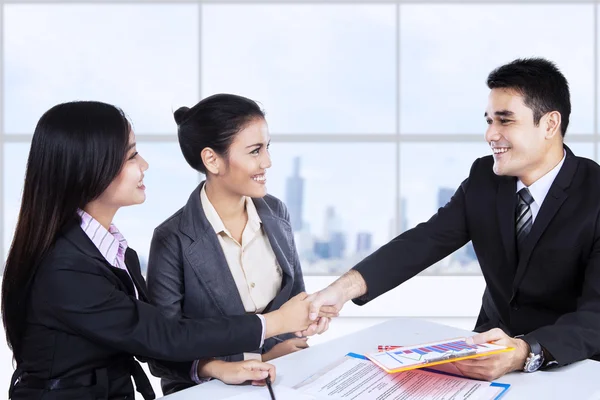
{"x": 375, "y": 110}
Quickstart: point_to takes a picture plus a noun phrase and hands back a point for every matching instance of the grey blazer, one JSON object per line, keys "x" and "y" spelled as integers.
{"x": 188, "y": 274}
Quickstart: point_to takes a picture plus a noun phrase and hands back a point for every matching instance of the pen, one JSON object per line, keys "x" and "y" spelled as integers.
{"x": 283, "y": 340}
{"x": 449, "y": 355}
{"x": 268, "y": 381}
{"x": 387, "y": 348}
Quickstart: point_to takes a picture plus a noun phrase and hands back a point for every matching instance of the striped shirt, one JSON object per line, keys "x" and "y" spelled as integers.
{"x": 111, "y": 243}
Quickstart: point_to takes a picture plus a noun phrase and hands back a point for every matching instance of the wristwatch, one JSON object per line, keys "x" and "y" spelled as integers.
{"x": 535, "y": 359}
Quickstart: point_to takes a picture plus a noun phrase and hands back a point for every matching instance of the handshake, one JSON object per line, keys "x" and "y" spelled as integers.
{"x": 304, "y": 314}
{"x": 307, "y": 315}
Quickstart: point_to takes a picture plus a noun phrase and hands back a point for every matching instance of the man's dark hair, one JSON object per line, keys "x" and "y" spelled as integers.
{"x": 543, "y": 87}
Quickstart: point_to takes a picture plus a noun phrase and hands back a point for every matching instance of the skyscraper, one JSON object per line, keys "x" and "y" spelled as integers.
{"x": 399, "y": 224}
{"x": 444, "y": 196}
{"x": 322, "y": 249}
{"x": 465, "y": 255}
{"x": 337, "y": 244}
{"x": 403, "y": 215}
{"x": 294, "y": 195}
{"x": 333, "y": 223}
{"x": 334, "y": 234}
{"x": 364, "y": 241}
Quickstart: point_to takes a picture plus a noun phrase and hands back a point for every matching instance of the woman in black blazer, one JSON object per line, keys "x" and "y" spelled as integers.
{"x": 230, "y": 250}
{"x": 74, "y": 303}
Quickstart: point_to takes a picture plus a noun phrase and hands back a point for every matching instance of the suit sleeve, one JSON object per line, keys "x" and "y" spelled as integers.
{"x": 574, "y": 336}
{"x": 416, "y": 249}
{"x": 167, "y": 291}
{"x": 88, "y": 304}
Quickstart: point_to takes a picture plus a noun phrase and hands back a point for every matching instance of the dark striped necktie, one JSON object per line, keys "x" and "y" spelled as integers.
{"x": 524, "y": 219}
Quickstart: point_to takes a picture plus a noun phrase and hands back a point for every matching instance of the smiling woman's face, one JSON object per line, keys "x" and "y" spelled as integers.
{"x": 247, "y": 161}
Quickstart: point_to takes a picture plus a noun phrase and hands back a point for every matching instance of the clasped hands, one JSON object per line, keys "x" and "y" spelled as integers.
{"x": 301, "y": 315}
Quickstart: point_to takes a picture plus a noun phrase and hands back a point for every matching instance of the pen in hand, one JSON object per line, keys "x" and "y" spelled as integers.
{"x": 270, "y": 387}
{"x": 283, "y": 340}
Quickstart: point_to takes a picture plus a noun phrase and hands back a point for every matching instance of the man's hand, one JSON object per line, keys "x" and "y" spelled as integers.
{"x": 235, "y": 373}
{"x": 324, "y": 305}
{"x": 492, "y": 367}
{"x": 329, "y": 301}
{"x": 317, "y": 327}
{"x": 285, "y": 347}
{"x": 290, "y": 317}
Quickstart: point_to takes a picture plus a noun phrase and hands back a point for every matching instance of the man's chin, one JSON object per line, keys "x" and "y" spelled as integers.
{"x": 501, "y": 170}
{"x": 504, "y": 173}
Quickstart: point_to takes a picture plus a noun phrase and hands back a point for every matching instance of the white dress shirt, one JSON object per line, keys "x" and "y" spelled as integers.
{"x": 539, "y": 189}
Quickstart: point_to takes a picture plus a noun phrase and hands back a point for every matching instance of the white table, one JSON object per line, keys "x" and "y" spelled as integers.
{"x": 579, "y": 381}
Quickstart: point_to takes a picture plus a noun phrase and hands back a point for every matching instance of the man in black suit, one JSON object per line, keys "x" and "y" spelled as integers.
{"x": 532, "y": 211}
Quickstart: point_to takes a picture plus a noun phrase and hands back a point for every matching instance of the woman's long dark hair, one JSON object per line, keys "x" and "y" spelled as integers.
{"x": 77, "y": 150}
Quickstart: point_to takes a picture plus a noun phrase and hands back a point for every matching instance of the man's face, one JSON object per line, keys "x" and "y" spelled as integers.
{"x": 518, "y": 145}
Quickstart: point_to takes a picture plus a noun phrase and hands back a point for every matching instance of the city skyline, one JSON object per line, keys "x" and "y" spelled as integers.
{"x": 330, "y": 251}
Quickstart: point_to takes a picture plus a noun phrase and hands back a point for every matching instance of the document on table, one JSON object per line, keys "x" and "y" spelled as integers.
{"x": 281, "y": 392}
{"x": 355, "y": 377}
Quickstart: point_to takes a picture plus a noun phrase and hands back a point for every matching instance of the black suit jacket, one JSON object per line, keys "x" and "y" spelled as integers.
{"x": 551, "y": 292}
{"x": 83, "y": 317}
{"x": 188, "y": 274}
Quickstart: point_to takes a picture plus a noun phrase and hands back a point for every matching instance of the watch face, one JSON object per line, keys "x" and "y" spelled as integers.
{"x": 534, "y": 362}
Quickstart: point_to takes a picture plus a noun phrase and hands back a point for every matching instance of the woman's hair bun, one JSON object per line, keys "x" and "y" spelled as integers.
{"x": 180, "y": 114}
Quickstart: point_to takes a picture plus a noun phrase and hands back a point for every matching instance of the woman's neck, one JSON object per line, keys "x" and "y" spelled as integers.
{"x": 101, "y": 213}
{"x": 229, "y": 206}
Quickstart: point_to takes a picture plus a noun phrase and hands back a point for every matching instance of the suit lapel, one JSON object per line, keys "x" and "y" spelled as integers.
{"x": 552, "y": 202}
{"x": 278, "y": 235}
{"x": 505, "y": 208}
{"x": 77, "y": 236}
{"x": 207, "y": 259}
{"x": 132, "y": 263}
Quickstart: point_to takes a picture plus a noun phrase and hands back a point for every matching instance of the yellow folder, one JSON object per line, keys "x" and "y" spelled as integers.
{"x": 429, "y": 354}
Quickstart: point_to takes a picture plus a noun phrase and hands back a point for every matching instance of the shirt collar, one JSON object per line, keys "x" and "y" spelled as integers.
{"x": 210, "y": 212}
{"x": 110, "y": 243}
{"x": 215, "y": 220}
{"x": 254, "y": 220}
{"x": 539, "y": 189}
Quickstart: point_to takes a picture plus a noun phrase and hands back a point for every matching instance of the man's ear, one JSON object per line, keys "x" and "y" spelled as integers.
{"x": 552, "y": 124}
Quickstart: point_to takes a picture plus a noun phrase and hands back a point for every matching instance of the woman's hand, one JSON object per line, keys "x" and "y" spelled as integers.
{"x": 237, "y": 372}
{"x": 290, "y": 317}
{"x": 285, "y": 347}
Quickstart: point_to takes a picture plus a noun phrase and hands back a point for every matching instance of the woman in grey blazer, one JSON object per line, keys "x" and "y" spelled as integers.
{"x": 230, "y": 250}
